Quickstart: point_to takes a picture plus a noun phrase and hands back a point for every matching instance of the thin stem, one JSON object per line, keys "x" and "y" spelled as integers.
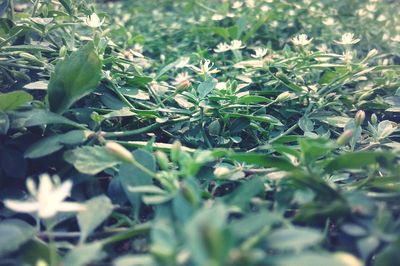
{"x": 142, "y": 130}
{"x": 35, "y": 7}
{"x": 129, "y": 233}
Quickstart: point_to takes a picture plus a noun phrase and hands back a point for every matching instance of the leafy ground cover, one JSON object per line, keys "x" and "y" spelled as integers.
{"x": 199, "y": 133}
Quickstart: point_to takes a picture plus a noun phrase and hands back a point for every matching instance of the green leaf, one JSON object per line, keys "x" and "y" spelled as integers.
{"x": 252, "y": 99}
{"x": 97, "y": 210}
{"x": 308, "y": 258}
{"x": 244, "y": 193}
{"x": 37, "y": 117}
{"x": 73, "y": 78}
{"x": 54, "y": 143}
{"x": 389, "y": 256}
{"x": 91, "y": 160}
{"x": 37, "y": 250}
{"x": 13, "y": 234}
{"x": 261, "y": 118}
{"x": 206, "y": 87}
{"x": 296, "y": 238}
{"x": 263, "y": 160}
{"x": 131, "y": 176}
{"x": 12, "y": 100}
{"x": 358, "y": 160}
{"x": 83, "y": 255}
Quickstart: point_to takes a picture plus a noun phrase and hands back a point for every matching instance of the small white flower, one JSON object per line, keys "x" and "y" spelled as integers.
{"x": 348, "y": 39}
{"x": 396, "y": 38}
{"x": 347, "y": 57}
{"x": 222, "y": 47}
{"x": 183, "y": 62}
{"x": 250, "y": 3}
{"x": 138, "y": 48}
{"x": 93, "y": 21}
{"x": 237, "y": 5}
{"x": 381, "y": 18}
{"x": 183, "y": 80}
{"x": 236, "y": 45}
{"x": 259, "y": 52}
{"x": 265, "y": 8}
{"x": 371, "y": 7}
{"x": 217, "y": 17}
{"x": 205, "y": 68}
{"x": 48, "y": 198}
{"x": 301, "y": 40}
{"x": 328, "y": 21}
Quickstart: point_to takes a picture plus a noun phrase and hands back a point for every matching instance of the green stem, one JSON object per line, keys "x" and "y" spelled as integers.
{"x": 142, "y": 130}
{"x": 53, "y": 256}
{"x": 132, "y": 232}
{"x": 35, "y": 7}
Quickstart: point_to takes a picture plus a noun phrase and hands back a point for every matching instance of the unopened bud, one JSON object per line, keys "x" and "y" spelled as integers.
{"x": 280, "y": 74}
{"x": 176, "y": 150}
{"x": 63, "y": 51}
{"x": 344, "y": 138}
{"x": 374, "y": 119}
{"x": 119, "y": 151}
{"x": 162, "y": 58}
{"x": 359, "y": 118}
{"x": 162, "y": 160}
{"x": 372, "y": 53}
{"x": 221, "y": 172}
{"x": 283, "y": 96}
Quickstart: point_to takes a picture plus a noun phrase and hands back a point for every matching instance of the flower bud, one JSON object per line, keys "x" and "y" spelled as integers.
{"x": 221, "y": 171}
{"x": 162, "y": 160}
{"x": 374, "y": 119}
{"x": 344, "y": 137}
{"x": 63, "y": 51}
{"x": 176, "y": 150}
{"x": 359, "y": 118}
{"x": 372, "y": 53}
{"x": 283, "y": 96}
{"x": 119, "y": 151}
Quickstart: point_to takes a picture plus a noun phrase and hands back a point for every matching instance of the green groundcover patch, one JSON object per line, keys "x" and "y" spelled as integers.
{"x": 194, "y": 132}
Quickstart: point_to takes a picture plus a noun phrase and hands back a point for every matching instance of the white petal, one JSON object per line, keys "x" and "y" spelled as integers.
{"x": 21, "y": 206}
{"x": 31, "y": 186}
{"x": 45, "y": 185}
{"x": 70, "y": 207}
{"x": 61, "y": 192}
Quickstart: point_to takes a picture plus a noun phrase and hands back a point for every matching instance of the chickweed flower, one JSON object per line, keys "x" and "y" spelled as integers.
{"x": 259, "y": 52}
{"x": 222, "y": 47}
{"x": 183, "y": 81}
{"x": 301, "y": 40}
{"x": 183, "y": 62}
{"x": 217, "y": 17}
{"x": 237, "y": 5}
{"x": 236, "y": 45}
{"x": 205, "y": 68}
{"x": 348, "y": 39}
{"x": 94, "y": 21}
{"x": 48, "y": 198}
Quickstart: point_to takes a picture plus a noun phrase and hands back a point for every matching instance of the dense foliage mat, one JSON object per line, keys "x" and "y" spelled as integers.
{"x": 199, "y": 132}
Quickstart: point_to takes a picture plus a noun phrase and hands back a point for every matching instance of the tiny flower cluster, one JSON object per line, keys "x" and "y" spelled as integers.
{"x": 234, "y": 45}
